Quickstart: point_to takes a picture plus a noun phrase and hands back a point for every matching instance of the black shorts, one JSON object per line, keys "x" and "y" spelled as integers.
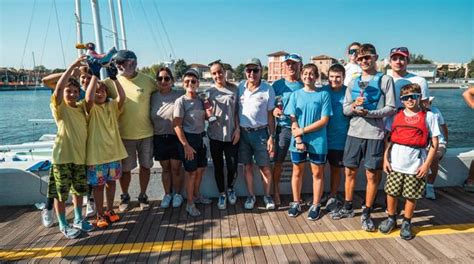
{"x": 369, "y": 150}
{"x": 200, "y": 157}
{"x": 166, "y": 147}
{"x": 335, "y": 157}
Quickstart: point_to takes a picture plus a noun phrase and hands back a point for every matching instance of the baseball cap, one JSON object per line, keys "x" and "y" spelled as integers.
{"x": 400, "y": 51}
{"x": 192, "y": 72}
{"x": 293, "y": 57}
{"x": 253, "y": 61}
{"x": 123, "y": 55}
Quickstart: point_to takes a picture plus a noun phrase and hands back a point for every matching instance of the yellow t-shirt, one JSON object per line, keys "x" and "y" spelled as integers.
{"x": 70, "y": 142}
{"x": 134, "y": 122}
{"x": 103, "y": 143}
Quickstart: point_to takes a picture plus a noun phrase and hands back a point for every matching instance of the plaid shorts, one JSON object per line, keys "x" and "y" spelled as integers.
{"x": 65, "y": 178}
{"x": 404, "y": 185}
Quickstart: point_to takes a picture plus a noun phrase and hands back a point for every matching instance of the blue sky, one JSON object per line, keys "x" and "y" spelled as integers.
{"x": 202, "y": 31}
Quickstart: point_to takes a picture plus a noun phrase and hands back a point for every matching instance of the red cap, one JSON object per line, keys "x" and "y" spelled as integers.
{"x": 400, "y": 51}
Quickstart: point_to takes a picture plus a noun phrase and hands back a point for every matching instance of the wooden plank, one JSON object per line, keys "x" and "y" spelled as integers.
{"x": 190, "y": 228}
{"x": 157, "y": 217}
{"x": 234, "y": 231}
{"x": 216, "y": 231}
{"x": 155, "y": 254}
{"x": 179, "y": 235}
{"x": 248, "y": 252}
{"x": 252, "y": 232}
{"x": 170, "y": 233}
{"x": 228, "y": 255}
{"x": 262, "y": 230}
{"x": 204, "y": 231}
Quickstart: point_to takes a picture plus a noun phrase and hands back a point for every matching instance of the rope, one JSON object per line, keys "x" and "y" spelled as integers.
{"x": 164, "y": 29}
{"x": 59, "y": 29}
{"x": 163, "y": 53}
{"x": 46, "y": 35}
{"x": 28, "y": 34}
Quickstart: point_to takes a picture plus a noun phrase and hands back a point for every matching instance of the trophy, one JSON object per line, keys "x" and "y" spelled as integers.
{"x": 362, "y": 85}
{"x": 204, "y": 96}
{"x": 279, "y": 105}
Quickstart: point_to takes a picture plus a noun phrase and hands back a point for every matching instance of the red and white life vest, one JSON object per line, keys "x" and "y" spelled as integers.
{"x": 410, "y": 130}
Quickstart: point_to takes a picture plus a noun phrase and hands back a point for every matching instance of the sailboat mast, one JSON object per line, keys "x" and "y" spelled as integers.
{"x": 122, "y": 25}
{"x": 78, "y": 26}
{"x": 114, "y": 24}
{"x": 98, "y": 32}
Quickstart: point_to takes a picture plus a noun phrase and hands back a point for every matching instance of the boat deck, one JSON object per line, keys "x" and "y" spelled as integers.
{"x": 444, "y": 228}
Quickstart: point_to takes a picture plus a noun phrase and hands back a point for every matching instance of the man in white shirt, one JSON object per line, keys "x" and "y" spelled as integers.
{"x": 399, "y": 59}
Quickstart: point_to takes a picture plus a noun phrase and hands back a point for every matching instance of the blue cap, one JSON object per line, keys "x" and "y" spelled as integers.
{"x": 293, "y": 57}
{"x": 123, "y": 55}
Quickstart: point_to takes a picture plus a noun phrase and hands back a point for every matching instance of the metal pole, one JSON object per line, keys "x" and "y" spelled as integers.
{"x": 114, "y": 24}
{"x": 98, "y": 32}
{"x": 122, "y": 25}
{"x": 79, "y": 26}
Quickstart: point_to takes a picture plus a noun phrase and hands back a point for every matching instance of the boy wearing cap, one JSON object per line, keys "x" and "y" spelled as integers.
{"x": 256, "y": 104}
{"x": 283, "y": 89}
{"x": 369, "y": 98}
{"x": 443, "y": 141}
{"x": 399, "y": 59}
{"x": 352, "y": 68}
{"x": 406, "y": 160}
{"x": 188, "y": 122}
{"x": 135, "y": 125}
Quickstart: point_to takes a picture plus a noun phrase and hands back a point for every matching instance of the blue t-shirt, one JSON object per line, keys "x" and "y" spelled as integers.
{"x": 309, "y": 107}
{"x": 284, "y": 88}
{"x": 338, "y": 123}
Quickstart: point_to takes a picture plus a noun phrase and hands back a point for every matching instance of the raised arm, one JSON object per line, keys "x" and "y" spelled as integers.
{"x": 469, "y": 97}
{"x": 51, "y": 80}
{"x": 58, "y": 91}
{"x": 90, "y": 93}
{"x": 112, "y": 72}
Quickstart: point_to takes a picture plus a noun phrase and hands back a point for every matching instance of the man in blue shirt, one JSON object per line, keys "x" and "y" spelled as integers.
{"x": 283, "y": 89}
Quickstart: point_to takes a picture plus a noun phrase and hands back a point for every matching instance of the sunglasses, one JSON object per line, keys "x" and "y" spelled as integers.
{"x": 366, "y": 57}
{"x": 190, "y": 81}
{"x": 292, "y": 57}
{"x": 402, "y": 49}
{"x": 410, "y": 96}
{"x": 166, "y": 78}
{"x": 353, "y": 51}
{"x": 255, "y": 71}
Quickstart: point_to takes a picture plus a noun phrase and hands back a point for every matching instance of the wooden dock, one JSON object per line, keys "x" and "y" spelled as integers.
{"x": 444, "y": 228}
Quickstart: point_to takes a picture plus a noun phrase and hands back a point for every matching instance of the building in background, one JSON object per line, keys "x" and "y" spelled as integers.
{"x": 323, "y": 62}
{"x": 276, "y": 70}
{"x": 203, "y": 70}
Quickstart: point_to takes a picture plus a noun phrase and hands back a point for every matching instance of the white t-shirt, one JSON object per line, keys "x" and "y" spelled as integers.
{"x": 439, "y": 117}
{"x": 405, "y": 159}
{"x": 352, "y": 71}
{"x": 407, "y": 79}
{"x": 254, "y": 106}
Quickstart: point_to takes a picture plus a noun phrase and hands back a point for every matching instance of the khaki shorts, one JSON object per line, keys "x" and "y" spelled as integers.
{"x": 141, "y": 147}
{"x": 404, "y": 185}
{"x": 65, "y": 178}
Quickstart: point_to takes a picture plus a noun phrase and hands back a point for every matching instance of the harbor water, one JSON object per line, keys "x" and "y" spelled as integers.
{"x": 17, "y": 107}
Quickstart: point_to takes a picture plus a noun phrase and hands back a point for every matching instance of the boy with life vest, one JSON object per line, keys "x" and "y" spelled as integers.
{"x": 369, "y": 99}
{"x": 406, "y": 160}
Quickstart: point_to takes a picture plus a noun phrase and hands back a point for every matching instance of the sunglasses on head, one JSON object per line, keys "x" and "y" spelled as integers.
{"x": 190, "y": 81}
{"x": 255, "y": 70}
{"x": 410, "y": 96}
{"x": 166, "y": 78}
{"x": 353, "y": 51}
{"x": 292, "y": 56}
{"x": 402, "y": 49}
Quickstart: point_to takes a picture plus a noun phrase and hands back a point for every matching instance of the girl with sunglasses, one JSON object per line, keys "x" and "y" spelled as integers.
{"x": 165, "y": 141}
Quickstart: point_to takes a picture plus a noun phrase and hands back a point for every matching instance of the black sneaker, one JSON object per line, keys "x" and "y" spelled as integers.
{"x": 332, "y": 205}
{"x": 124, "y": 202}
{"x": 314, "y": 212}
{"x": 143, "y": 200}
{"x": 367, "y": 223}
{"x": 295, "y": 209}
{"x": 405, "y": 231}
{"x": 387, "y": 225}
{"x": 343, "y": 213}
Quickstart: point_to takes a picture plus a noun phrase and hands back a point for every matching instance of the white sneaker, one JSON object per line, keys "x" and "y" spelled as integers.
{"x": 90, "y": 208}
{"x": 165, "y": 203}
{"x": 192, "y": 210}
{"x": 249, "y": 203}
{"x": 70, "y": 232}
{"x": 232, "y": 197}
{"x": 269, "y": 204}
{"x": 47, "y": 217}
{"x": 430, "y": 192}
{"x": 177, "y": 200}
{"x": 222, "y": 202}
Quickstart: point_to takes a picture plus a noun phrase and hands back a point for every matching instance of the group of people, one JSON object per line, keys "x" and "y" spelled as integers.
{"x": 361, "y": 115}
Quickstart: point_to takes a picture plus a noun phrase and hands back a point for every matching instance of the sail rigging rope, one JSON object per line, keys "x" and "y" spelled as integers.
{"x": 59, "y": 29}
{"x": 164, "y": 29}
{"x": 46, "y": 35}
{"x": 28, "y": 34}
{"x": 163, "y": 53}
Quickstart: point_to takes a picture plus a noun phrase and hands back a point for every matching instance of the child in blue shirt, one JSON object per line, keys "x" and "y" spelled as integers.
{"x": 309, "y": 109}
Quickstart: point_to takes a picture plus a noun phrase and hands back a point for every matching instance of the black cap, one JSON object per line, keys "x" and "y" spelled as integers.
{"x": 191, "y": 72}
{"x": 123, "y": 55}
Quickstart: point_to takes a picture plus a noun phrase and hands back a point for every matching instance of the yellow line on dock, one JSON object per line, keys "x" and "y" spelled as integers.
{"x": 209, "y": 244}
